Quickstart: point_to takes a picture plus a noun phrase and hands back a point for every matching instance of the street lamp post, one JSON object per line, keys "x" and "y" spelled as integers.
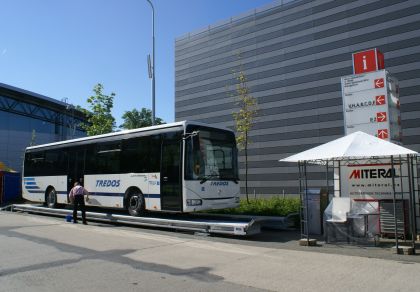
{"x": 153, "y": 62}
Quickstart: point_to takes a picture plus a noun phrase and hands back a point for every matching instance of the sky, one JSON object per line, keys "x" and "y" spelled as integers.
{"x": 61, "y": 49}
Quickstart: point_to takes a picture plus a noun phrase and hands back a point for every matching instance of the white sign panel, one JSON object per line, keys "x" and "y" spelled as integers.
{"x": 387, "y": 132}
{"x": 371, "y": 105}
{"x": 395, "y": 112}
{"x": 377, "y": 130}
{"x": 365, "y": 99}
{"x": 396, "y": 133}
{"x": 393, "y": 85}
{"x": 394, "y": 100}
{"x": 361, "y": 82}
{"x": 394, "y": 116}
{"x": 367, "y": 116}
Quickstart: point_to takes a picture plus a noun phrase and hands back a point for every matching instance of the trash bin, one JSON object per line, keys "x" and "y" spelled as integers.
{"x": 313, "y": 197}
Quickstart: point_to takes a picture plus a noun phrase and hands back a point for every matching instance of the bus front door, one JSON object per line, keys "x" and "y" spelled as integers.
{"x": 76, "y": 168}
{"x": 170, "y": 177}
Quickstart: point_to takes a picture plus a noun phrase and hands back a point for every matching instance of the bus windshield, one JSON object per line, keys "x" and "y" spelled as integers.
{"x": 211, "y": 155}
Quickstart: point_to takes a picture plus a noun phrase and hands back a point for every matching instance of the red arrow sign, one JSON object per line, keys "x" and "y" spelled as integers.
{"x": 380, "y": 100}
{"x": 381, "y": 117}
{"x": 379, "y": 83}
{"x": 383, "y": 134}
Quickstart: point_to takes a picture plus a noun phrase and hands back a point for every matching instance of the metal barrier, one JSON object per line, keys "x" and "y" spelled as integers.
{"x": 211, "y": 226}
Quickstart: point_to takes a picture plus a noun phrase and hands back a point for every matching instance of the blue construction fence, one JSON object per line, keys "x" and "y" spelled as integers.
{"x": 10, "y": 187}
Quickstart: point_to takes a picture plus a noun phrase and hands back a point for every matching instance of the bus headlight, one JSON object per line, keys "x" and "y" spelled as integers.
{"x": 194, "y": 202}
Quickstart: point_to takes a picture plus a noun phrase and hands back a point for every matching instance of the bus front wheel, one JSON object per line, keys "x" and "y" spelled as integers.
{"x": 51, "y": 198}
{"x": 135, "y": 203}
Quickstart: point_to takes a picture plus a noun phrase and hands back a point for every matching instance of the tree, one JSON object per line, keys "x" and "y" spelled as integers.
{"x": 99, "y": 118}
{"x": 244, "y": 119}
{"x": 138, "y": 119}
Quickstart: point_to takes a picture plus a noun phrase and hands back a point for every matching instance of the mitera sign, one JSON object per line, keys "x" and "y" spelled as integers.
{"x": 372, "y": 180}
{"x": 368, "y": 61}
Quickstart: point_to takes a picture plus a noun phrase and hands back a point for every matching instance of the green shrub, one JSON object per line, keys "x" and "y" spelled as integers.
{"x": 274, "y": 206}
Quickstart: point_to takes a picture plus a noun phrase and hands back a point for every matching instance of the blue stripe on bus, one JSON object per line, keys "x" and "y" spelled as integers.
{"x": 30, "y": 183}
{"x": 32, "y": 187}
{"x": 36, "y": 192}
{"x": 107, "y": 194}
{"x": 33, "y": 190}
{"x": 29, "y": 178}
{"x": 147, "y": 196}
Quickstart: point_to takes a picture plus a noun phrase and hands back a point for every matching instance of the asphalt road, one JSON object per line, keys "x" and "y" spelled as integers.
{"x": 39, "y": 253}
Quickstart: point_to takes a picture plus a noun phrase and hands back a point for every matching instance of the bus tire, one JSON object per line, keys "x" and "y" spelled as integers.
{"x": 51, "y": 198}
{"x": 135, "y": 202}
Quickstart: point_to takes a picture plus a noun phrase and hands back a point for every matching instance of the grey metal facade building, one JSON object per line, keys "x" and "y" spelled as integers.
{"x": 27, "y": 117}
{"x": 293, "y": 54}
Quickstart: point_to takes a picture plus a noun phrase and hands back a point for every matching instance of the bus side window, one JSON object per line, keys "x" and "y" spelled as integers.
{"x": 63, "y": 161}
{"x": 108, "y": 157}
{"x": 28, "y": 169}
{"x": 155, "y": 144}
{"x": 142, "y": 154}
{"x": 90, "y": 161}
{"x": 135, "y": 156}
{"x": 34, "y": 164}
{"x": 55, "y": 162}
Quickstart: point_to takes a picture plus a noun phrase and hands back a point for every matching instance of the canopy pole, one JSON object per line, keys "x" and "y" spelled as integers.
{"x": 395, "y": 207}
{"x": 339, "y": 179}
{"x": 306, "y": 202}
{"x": 412, "y": 202}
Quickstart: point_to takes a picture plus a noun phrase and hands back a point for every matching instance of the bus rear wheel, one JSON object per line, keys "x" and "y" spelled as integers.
{"x": 135, "y": 203}
{"x": 51, "y": 199}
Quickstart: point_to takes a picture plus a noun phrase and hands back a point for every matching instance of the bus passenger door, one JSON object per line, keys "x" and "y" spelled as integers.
{"x": 76, "y": 168}
{"x": 170, "y": 177}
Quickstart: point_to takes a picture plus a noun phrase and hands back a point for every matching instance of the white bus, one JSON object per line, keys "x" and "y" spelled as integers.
{"x": 177, "y": 167}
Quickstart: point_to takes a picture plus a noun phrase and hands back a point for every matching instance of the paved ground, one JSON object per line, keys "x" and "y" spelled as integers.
{"x": 40, "y": 253}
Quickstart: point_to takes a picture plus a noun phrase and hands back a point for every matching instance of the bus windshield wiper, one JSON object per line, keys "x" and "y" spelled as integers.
{"x": 204, "y": 178}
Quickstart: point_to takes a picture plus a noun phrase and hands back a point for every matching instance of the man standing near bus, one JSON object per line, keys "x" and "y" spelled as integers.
{"x": 77, "y": 196}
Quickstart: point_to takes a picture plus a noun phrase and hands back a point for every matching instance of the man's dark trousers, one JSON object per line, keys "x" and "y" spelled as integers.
{"x": 79, "y": 200}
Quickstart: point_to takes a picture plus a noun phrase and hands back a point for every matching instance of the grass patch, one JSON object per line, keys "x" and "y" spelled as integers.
{"x": 274, "y": 206}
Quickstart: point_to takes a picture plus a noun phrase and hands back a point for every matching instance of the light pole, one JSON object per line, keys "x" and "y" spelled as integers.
{"x": 153, "y": 62}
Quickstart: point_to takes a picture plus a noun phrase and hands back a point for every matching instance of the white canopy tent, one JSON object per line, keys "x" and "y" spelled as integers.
{"x": 356, "y": 145}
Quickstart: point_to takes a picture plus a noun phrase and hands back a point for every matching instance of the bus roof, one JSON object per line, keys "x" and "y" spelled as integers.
{"x": 182, "y": 124}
